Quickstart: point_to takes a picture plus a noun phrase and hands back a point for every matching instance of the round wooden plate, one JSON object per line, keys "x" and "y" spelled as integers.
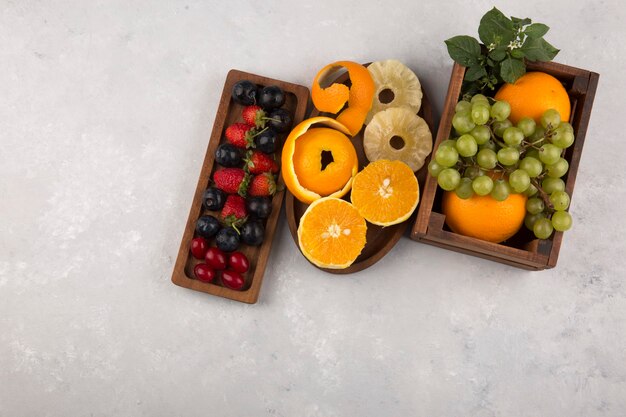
{"x": 380, "y": 239}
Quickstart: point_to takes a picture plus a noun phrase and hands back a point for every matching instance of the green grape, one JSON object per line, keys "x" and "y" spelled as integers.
{"x": 551, "y": 185}
{"x": 501, "y": 190}
{"x": 508, "y": 156}
{"x": 446, "y": 156}
{"x": 500, "y": 110}
{"x": 542, "y": 228}
{"x": 566, "y": 126}
{"x": 535, "y": 205}
{"x": 559, "y": 200}
{"x": 549, "y": 154}
{"x": 480, "y": 113}
{"x": 479, "y": 98}
{"x": 434, "y": 168}
{"x": 448, "y": 142}
{"x": 563, "y": 138}
{"x": 464, "y": 189}
{"x": 500, "y": 127}
{"x": 527, "y": 126}
{"x": 512, "y": 136}
{"x": 473, "y": 172}
{"x": 531, "y": 191}
{"x": 462, "y": 123}
{"x": 561, "y": 221}
{"x": 550, "y": 119}
{"x": 489, "y": 145}
{"x": 530, "y": 219}
{"x": 519, "y": 180}
{"x": 532, "y": 166}
{"x": 532, "y": 153}
{"x": 449, "y": 179}
{"x": 482, "y": 185}
{"x": 463, "y": 107}
{"x": 487, "y": 159}
{"x": 558, "y": 169}
{"x": 539, "y": 134}
{"x": 466, "y": 145}
{"x": 481, "y": 134}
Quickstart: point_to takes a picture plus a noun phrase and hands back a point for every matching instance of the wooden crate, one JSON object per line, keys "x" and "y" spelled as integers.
{"x": 522, "y": 250}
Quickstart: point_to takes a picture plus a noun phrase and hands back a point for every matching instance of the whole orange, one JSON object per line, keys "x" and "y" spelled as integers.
{"x": 483, "y": 217}
{"x": 532, "y": 94}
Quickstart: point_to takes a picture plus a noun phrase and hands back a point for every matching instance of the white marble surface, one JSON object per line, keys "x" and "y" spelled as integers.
{"x": 105, "y": 112}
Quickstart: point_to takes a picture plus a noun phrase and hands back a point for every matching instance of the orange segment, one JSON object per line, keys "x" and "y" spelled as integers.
{"x": 324, "y": 160}
{"x": 385, "y": 192}
{"x": 332, "y": 99}
{"x": 306, "y": 162}
{"x": 331, "y": 233}
{"x": 483, "y": 217}
{"x": 532, "y": 94}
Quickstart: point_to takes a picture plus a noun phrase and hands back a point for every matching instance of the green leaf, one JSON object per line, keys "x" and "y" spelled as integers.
{"x": 536, "y": 30}
{"x": 475, "y": 72}
{"x": 517, "y": 53}
{"x": 498, "y": 54}
{"x": 464, "y": 49}
{"x": 495, "y": 29}
{"x": 521, "y": 22}
{"x": 511, "y": 69}
{"x": 538, "y": 50}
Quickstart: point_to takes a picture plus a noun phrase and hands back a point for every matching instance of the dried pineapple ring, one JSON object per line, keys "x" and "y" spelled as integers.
{"x": 393, "y": 75}
{"x": 381, "y": 134}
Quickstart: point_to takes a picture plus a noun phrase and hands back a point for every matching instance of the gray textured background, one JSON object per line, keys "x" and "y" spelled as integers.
{"x": 105, "y": 112}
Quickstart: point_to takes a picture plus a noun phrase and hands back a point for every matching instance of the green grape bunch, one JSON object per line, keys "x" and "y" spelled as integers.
{"x": 525, "y": 159}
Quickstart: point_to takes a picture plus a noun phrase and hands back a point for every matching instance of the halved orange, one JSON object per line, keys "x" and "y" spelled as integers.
{"x": 306, "y": 177}
{"x": 332, "y": 99}
{"x": 331, "y": 233}
{"x": 385, "y": 192}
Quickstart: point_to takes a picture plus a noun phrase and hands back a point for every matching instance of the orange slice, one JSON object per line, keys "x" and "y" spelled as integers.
{"x": 333, "y": 98}
{"x": 305, "y": 174}
{"x": 385, "y": 192}
{"x": 331, "y": 233}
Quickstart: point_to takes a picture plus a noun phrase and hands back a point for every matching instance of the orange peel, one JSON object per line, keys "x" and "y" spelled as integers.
{"x": 289, "y": 173}
{"x": 332, "y": 99}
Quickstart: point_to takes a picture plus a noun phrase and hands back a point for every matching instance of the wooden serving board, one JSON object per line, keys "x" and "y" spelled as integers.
{"x": 380, "y": 240}
{"x": 229, "y": 112}
{"x": 523, "y": 250}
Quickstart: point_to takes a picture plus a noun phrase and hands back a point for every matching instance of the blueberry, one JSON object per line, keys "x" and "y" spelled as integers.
{"x": 245, "y": 92}
{"x": 261, "y": 207}
{"x": 280, "y": 120}
{"x": 271, "y": 97}
{"x": 213, "y": 199}
{"x": 207, "y": 226}
{"x": 227, "y": 239}
{"x": 266, "y": 141}
{"x": 228, "y": 155}
{"x": 252, "y": 233}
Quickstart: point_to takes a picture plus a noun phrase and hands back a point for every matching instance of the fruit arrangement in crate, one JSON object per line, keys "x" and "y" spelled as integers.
{"x": 234, "y": 214}
{"x": 507, "y": 151}
{"x": 352, "y": 189}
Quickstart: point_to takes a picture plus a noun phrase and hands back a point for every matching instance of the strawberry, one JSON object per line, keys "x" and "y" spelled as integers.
{"x": 262, "y": 185}
{"x": 234, "y": 212}
{"x": 232, "y": 180}
{"x": 254, "y": 115}
{"x": 258, "y": 162}
{"x": 241, "y": 135}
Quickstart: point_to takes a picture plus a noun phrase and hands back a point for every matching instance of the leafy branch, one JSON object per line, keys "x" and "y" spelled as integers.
{"x": 506, "y": 44}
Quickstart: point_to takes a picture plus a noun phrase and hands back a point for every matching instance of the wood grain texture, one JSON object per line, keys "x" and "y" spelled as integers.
{"x": 229, "y": 112}
{"x": 380, "y": 240}
{"x": 523, "y": 250}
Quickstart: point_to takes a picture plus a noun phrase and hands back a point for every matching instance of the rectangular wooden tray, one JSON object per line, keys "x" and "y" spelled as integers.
{"x": 523, "y": 250}
{"x": 229, "y": 112}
